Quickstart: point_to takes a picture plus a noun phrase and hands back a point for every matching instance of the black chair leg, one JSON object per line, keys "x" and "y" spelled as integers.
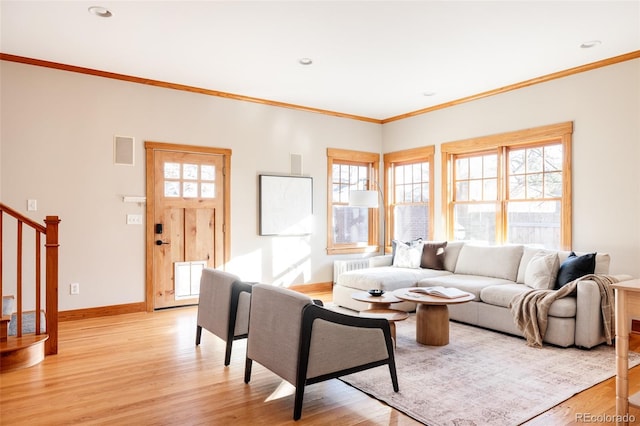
{"x": 198, "y": 334}
{"x": 247, "y": 370}
{"x": 297, "y": 407}
{"x": 227, "y": 354}
{"x": 394, "y": 376}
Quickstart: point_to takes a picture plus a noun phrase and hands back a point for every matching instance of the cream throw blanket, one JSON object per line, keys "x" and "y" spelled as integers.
{"x": 530, "y": 309}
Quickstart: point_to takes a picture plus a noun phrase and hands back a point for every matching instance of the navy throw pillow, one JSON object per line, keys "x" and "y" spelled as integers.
{"x": 575, "y": 267}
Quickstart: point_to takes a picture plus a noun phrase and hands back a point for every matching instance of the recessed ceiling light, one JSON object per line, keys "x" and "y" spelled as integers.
{"x": 590, "y": 44}
{"x": 100, "y": 11}
{"x": 428, "y": 93}
{"x": 305, "y": 61}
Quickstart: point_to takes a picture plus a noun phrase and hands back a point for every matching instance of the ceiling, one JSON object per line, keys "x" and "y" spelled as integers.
{"x": 373, "y": 59}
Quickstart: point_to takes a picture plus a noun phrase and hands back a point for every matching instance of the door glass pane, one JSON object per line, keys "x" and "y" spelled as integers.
{"x": 207, "y": 172}
{"x": 171, "y": 189}
{"x": 172, "y": 170}
{"x": 190, "y": 190}
{"x": 208, "y": 190}
{"x": 190, "y": 171}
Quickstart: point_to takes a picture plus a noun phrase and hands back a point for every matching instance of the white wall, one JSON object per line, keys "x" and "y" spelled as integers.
{"x": 604, "y": 105}
{"x": 57, "y": 141}
{"x": 57, "y": 147}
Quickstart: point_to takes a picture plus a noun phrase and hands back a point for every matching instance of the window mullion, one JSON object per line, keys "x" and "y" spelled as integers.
{"x": 502, "y": 226}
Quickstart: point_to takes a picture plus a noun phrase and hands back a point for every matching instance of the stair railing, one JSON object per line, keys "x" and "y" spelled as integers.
{"x": 50, "y": 231}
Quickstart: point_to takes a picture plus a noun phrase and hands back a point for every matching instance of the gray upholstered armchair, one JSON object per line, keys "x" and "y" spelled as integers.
{"x": 223, "y": 308}
{"x": 305, "y": 343}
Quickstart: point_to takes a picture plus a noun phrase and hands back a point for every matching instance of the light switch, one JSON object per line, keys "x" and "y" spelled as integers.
{"x": 32, "y": 205}
{"x": 134, "y": 219}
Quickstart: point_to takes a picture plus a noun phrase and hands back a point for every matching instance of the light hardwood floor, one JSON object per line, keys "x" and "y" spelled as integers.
{"x": 145, "y": 369}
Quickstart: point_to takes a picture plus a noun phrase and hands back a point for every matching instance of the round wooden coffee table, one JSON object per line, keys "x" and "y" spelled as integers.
{"x": 432, "y": 315}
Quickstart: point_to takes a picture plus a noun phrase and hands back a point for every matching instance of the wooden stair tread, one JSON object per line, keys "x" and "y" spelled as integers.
{"x": 16, "y": 343}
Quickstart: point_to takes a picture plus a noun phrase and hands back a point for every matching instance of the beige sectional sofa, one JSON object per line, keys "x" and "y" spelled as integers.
{"x": 495, "y": 275}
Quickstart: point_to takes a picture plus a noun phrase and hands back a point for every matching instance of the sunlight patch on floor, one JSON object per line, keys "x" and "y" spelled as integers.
{"x": 284, "y": 389}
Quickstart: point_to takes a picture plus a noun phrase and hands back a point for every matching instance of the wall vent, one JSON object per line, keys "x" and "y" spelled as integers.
{"x": 296, "y": 164}
{"x": 123, "y": 149}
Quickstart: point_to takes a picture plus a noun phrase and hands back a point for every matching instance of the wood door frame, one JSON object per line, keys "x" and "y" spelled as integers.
{"x": 150, "y": 148}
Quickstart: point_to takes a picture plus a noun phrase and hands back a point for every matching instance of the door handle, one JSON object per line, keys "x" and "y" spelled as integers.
{"x": 160, "y": 242}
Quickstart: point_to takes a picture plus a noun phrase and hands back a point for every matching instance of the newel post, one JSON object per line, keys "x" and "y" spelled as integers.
{"x": 51, "y": 345}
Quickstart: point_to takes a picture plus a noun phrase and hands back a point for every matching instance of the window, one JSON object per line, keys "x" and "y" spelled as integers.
{"x": 350, "y": 229}
{"x": 409, "y": 186}
{"x": 189, "y": 180}
{"x": 510, "y": 188}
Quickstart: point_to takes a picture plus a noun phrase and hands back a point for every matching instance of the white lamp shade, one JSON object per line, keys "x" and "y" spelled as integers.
{"x": 363, "y": 199}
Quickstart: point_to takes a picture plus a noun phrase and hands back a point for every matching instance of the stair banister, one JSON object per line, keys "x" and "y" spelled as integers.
{"x": 51, "y": 277}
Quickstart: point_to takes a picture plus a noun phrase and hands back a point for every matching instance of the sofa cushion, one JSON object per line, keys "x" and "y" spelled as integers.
{"x": 527, "y": 254}
{"x": 575, "y": 267}
{"x": 470, "y": 283}
{"x": 408, "y": 256}
{"x": 451, "y": 253}
{"x": 542, "y": 270}
{"x": 563, "y": 308}
{"x": 490, "y": 261}
{"x": 386, "y": 278}
{"x": 501, "y": 295}
{"x": 433, "y": 255}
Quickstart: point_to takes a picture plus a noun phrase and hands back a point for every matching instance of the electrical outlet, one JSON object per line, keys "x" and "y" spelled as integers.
{"x": 74, "y": 288}
{"x": 134, "y": 219}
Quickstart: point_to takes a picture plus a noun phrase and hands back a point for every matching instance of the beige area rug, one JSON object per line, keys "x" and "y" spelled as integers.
{"x": 483, "y": 377}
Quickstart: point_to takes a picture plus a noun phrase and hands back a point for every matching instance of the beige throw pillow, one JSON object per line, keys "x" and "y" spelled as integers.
{"x": 542, "y": 270}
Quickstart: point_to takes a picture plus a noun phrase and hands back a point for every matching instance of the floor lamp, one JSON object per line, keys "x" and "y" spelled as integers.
{"x": 369, "y": 199}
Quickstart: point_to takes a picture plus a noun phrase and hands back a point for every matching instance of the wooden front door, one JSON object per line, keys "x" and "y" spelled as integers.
{"x": 187, "y": 191}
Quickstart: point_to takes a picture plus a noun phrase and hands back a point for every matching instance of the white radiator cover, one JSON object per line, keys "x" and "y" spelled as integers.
{"x": 342, "y": 266}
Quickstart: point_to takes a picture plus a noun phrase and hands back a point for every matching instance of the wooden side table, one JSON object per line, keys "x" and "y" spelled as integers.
{"x": 376, "y": 302}
{"x": 390, "y": 315}
{"x": 627, "y": 306}
{"x": 380, "y": 307}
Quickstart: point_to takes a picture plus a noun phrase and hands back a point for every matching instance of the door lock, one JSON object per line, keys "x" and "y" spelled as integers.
{"x": 160, "y": 242}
